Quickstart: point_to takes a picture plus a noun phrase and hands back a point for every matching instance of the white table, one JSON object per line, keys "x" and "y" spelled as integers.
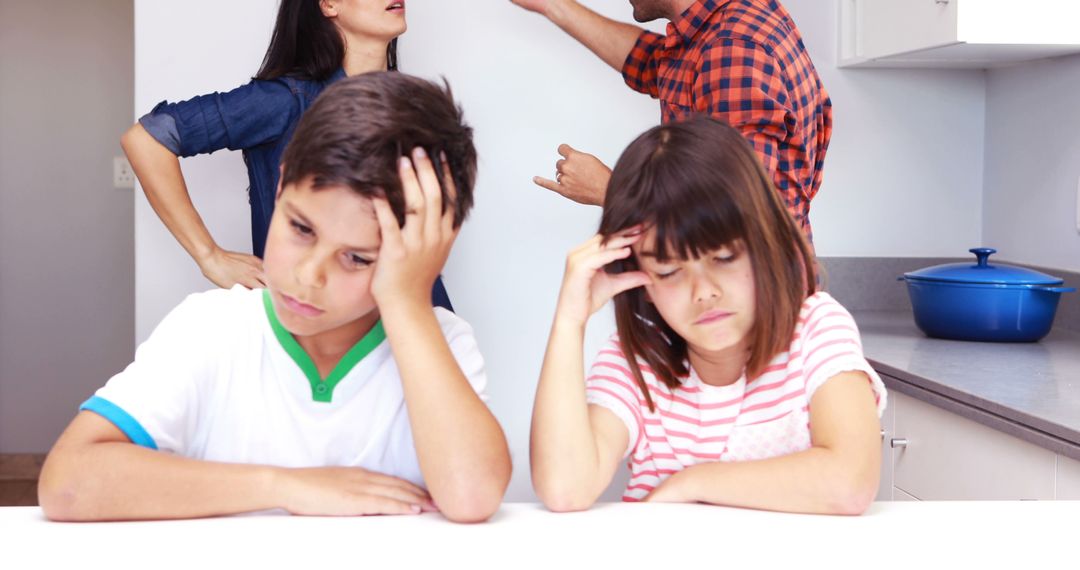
{"x": 913, "y": 535}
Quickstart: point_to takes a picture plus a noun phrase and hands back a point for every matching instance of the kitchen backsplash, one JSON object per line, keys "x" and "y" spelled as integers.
{"x": 870, "y": 284}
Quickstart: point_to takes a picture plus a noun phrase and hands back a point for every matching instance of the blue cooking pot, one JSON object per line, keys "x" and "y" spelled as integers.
{"x": 983, "y": 302}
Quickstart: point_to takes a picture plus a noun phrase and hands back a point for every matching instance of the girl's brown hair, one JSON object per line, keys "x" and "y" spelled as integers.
{"x": 700, "y": 185}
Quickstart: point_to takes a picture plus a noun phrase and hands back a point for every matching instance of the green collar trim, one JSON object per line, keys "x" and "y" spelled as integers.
{"x": 322, "y": 390}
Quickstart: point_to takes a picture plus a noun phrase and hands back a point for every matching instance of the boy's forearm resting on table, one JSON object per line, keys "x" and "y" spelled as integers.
{"x": 568, "y": 470}
{"x": 121, "y": 481}
{"x": 461, "y": 447}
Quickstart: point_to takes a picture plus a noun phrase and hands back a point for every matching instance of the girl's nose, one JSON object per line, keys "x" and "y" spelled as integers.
{"x": 705, "y": 287}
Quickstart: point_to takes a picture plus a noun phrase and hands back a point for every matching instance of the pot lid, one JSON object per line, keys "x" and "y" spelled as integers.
{"x": 983, "y": 272}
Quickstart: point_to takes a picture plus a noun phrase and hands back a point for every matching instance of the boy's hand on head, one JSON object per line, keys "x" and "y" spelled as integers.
{"x": 586, "y": 286}
{"x": 227, "y": 268}
{"x": 350, "y": 491}
{"x": 411, "y": 256}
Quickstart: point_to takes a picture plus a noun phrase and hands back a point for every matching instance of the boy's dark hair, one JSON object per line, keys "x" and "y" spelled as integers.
{"x": 357, "y": 130}
{"x": 701, "y": 186}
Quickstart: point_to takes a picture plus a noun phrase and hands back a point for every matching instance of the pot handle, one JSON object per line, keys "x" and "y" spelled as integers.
{"x": 982, "y": 254}
{"x": 1055, "y": 289}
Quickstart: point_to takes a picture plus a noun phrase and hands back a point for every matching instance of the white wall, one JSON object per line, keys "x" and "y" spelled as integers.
{"x": 1033, "y": 163}
{"x": 66, "y": 267}
{"x": 903, "y": 176}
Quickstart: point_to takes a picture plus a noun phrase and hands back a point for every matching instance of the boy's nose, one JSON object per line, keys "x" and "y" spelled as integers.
{"x": 309, "y": 272}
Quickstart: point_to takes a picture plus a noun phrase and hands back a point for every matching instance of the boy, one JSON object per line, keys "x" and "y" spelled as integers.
{"x": 337, "y": 390}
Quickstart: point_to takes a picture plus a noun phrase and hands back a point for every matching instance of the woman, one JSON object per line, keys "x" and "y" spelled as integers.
{"x": 315, "y": 43}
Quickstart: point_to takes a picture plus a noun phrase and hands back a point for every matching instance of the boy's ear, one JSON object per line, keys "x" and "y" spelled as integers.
{"x": 281, "y": 172}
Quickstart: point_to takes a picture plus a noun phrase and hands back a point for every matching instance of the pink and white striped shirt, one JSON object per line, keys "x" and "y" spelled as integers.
{"x": 757, "y": 419}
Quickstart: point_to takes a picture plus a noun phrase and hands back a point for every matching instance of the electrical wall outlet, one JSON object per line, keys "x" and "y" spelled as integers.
{"x": 123, "y": 175}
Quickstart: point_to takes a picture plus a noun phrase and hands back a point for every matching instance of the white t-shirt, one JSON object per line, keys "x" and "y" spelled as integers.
{"x": 219, "y": 379}
{"x": 745, "y": 421}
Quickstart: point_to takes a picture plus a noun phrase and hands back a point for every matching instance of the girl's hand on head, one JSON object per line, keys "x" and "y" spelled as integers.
{"x": 227, "y": 268}
{"x": 586, "y": 286}
{"x": 411, "y": 256}
{"x": 349, "y": 491}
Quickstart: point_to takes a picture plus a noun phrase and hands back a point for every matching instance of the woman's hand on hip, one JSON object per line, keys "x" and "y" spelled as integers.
{"x": 228, "y": 268}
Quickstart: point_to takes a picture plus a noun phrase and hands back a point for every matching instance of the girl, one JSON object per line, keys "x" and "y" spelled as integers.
{"x": 314, "y": 44}
{"x": 731, "y": 380}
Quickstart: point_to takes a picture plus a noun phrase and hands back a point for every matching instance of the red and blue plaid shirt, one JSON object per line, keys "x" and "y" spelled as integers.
{"x": 744, "y": 62}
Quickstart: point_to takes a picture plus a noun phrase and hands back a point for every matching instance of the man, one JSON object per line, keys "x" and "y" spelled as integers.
{"x": 741, "y": 61}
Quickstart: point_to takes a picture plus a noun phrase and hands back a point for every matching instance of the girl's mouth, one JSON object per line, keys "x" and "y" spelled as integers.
{"x": 712, "y": 317}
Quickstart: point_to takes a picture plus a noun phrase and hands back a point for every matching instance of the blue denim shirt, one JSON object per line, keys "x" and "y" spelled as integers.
{"x": 258, "y": 118}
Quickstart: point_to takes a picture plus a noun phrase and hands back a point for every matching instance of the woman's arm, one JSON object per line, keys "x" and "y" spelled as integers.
{"x": 158, "y": 170}
{"x": 838, "y": 475}
{"x": 95, "y": 473}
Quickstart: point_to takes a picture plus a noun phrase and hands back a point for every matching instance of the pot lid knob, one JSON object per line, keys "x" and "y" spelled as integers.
{"x": 982, "y": 254}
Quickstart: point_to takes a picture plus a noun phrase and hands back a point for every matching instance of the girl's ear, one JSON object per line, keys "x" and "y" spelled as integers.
{"x": 329, "y": 8}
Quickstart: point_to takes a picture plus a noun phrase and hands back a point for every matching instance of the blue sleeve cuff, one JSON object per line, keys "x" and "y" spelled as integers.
{"x": 121, "y": 419}
{"x": 162, "y": 126}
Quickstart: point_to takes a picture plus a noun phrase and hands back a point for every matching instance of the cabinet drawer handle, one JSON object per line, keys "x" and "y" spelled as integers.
{"x": 942, "y": 2}
{"x": 898, "y": 442}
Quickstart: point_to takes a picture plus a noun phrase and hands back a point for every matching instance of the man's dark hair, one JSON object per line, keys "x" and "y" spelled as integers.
{"x": 360, "y": 127}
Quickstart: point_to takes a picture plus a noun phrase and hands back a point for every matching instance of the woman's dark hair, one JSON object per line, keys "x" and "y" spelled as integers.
{"x": 359, "y": 128}
{"x": 307, "y": 45}
{"x": 700, "y": 185}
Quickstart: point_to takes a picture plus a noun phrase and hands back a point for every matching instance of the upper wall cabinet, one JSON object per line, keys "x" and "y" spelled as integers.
{"x": 955, "y": 33}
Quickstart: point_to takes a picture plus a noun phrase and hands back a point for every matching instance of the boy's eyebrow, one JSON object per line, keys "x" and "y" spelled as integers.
{"x": 303, "y": 219}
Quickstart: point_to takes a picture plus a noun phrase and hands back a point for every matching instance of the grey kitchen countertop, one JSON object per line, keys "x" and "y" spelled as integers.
{"x": 1031, "y": 390}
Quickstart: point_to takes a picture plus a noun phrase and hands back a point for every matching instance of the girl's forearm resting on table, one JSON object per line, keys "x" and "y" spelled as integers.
{"x": 461, "y": 447}
{"x": 813, "y": 481}
{"x": 838, "y": 475}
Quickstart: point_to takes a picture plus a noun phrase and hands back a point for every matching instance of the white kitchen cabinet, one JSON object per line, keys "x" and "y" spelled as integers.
{"x": 955, "y": 33}
{"x": 940, "y": 455}
{"x": 1068, "y": 479}
{"x": 900, "y": 495}
{"x": 885, "y": 487}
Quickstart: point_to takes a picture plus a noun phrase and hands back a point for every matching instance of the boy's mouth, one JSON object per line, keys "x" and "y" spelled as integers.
{"x": 301, "y": 308}
{"x": 398, "y": 6}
